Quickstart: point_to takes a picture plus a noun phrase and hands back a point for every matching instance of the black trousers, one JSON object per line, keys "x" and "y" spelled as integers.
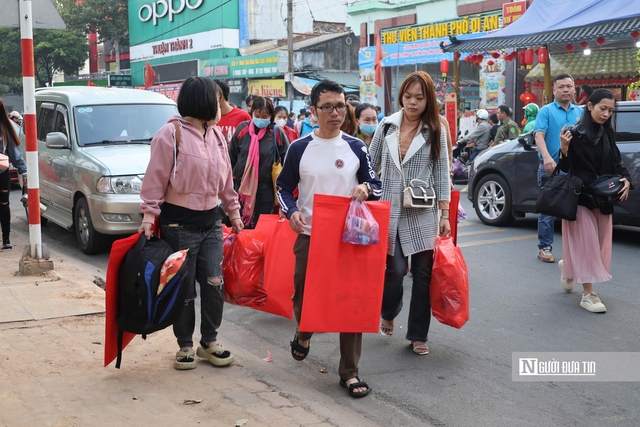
{"x": 5, "y": 212}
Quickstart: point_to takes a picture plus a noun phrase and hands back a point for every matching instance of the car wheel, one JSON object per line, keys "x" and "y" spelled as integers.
{"x": 89, "y": 239}
{"x": 492, "y": 200}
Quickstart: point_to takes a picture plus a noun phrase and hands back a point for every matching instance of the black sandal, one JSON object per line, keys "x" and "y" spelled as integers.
{"x": 359, "y": 384}
{"x": 296, "y": 347}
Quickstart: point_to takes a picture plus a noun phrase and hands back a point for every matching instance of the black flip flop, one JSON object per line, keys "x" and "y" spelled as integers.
{"x": 351, "y": 387}
{"x": 296, "y": 347}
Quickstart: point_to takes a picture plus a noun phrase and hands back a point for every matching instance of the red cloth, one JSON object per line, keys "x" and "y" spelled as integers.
{"x": 118, "y": 251}
{"x": 149, "y": 75}
{"x": 453, "y": 215}
{"x": 230, "y": 121}
{"x": 344, "y": 283}
{"x": 292, "y": 134}
{"x": 378, "y": 61}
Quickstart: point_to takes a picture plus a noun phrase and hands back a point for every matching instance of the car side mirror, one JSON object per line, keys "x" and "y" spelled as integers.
{"x": 527, "y": 141}
{"x": 57, "y": 140}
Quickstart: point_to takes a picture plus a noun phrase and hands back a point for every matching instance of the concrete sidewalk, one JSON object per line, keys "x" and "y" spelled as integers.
{"x": 51, "y": 353}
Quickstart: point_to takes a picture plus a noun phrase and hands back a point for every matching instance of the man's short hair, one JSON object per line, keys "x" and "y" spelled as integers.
{"x": 494, "y": 118}
{"x": 506, "y": 109}
{"x": 224, "y": 88}
{"x": 378, "y": 109}
{"x": 562, "y": 77}
{"x": 322, "y": 87}
{"x": 198, "y": 98}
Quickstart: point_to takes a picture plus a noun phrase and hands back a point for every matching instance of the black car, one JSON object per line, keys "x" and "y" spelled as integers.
{"x": 503, "y": 182}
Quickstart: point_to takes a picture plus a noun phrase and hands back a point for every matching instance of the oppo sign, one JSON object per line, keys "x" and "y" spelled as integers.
{"x": 162, "y": 8}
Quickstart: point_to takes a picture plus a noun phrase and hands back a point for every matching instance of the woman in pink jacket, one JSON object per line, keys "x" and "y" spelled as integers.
{"x": 189, "y": 171}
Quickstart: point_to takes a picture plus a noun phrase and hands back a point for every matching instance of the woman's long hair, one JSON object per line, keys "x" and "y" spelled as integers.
{"x": 6, "y": 127}
{"x": 430, "y": 115}
{"x": 349, "y": 126}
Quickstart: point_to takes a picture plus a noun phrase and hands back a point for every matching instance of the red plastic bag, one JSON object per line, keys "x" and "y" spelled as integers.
{"x": 360, "y": 227}
{"x": 344, "y": 283}
{"x": 449, "y": 289}
{"x": 453, "y": 215}
{"x": 243, "y": 269}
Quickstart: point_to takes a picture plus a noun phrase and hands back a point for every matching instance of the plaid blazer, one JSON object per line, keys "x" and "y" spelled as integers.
{"x": 416, "y": 227}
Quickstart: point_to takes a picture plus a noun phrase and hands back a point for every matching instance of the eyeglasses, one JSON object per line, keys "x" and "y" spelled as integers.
{"x": 328, "y": 109}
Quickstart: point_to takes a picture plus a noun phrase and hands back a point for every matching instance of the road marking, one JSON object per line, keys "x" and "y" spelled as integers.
{"x": 495, "y": 241}
{"x": 475, "y": 233}
{"x": 467, "y": 223}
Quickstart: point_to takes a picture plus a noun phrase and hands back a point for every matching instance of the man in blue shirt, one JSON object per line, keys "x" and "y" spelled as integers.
{"x": 549, "y": 122}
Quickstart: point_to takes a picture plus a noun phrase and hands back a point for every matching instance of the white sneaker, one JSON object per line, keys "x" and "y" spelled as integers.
{"x": 591, "y": 302}
{"x": 465, "y": 189}
{"x": 567, "y": 284}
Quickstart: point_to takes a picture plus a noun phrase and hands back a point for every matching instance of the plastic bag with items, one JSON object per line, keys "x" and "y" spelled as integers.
{"x": 360, "y": 228}
{"x": 243, "y": 270}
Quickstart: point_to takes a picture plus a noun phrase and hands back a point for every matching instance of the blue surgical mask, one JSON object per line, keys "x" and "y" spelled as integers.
{"x": 368, "y": 129}
{"x": 261, "y": 123}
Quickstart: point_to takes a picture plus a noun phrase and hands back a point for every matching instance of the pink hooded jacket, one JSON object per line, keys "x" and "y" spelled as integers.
{"x": 201, "y": 175}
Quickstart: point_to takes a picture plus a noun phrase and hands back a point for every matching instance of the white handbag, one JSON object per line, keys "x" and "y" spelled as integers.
{"x": 417, "y": 194}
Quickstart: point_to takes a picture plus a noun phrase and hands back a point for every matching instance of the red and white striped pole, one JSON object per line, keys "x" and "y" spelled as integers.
{"x": 29, "y": 91}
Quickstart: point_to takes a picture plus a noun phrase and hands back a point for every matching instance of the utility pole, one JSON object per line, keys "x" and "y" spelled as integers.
{"x": 290, "y": 50}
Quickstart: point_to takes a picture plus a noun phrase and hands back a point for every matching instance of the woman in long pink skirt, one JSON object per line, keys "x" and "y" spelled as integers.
{"x": 591, "y": 152}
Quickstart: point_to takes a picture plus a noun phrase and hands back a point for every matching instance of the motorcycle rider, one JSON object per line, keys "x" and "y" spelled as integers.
{"x": 530, "y": 113}
{"x": 480, "y": 136}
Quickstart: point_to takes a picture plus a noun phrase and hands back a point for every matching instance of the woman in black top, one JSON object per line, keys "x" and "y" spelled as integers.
{"x": 587, "y": 241}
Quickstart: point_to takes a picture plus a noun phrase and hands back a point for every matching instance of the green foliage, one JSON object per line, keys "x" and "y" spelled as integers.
{"x": 53, "y": 51}
{"x": 10, "y": 85}
{"x": 109, "y": 18}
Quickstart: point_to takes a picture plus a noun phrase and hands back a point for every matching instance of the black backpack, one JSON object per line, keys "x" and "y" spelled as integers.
{"x": 140, "y": 309}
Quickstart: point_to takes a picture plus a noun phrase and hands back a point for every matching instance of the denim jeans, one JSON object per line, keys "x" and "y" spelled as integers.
{"x": 545, "y": 222}
{"x": 204, "y": 261}
{"x": 420, "y": 305}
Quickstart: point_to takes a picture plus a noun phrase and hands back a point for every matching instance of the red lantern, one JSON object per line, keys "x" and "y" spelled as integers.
{"x": 457, "y": 55}
{"x": 467, "y": 58}
{"x": 495, "y": 55}
{"x": 633, "y": 96}
{"x": 569, "y": 48}
{"x": 521, "y": 58}
{"x": 543, "y": 56}
{"x": 635, "y": 34}
{"x": 600, "y": 41}
{"x": 479, "y": 58}
{"x": 528, "y": 58}
{"x": 527, "y": 98}
{"x": 444, "y": 69}
{"x": 490, "y": 63}
{"x": 584, "y": 45}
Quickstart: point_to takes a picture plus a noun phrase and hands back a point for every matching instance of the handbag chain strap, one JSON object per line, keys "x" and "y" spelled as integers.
{"x": 404, "y": 180}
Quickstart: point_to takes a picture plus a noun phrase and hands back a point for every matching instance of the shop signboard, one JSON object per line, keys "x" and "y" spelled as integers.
{"x": 120, "y": 80}
{"x": 492, "y": 82}
{"x": 263, "y": 65}
{"x": 512, "y": 11}
{"x": 273, "y": 88}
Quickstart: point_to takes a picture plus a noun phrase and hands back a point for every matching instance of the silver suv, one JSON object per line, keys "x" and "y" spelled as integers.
{"x": 93, "y": 150}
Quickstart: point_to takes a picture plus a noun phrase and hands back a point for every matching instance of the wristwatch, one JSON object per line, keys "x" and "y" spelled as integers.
{"x": 444, "y": 217}
{"x": 369, "y": 189}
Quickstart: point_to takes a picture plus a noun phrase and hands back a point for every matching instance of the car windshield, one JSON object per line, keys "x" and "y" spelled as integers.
{"x": 120, "y": 124}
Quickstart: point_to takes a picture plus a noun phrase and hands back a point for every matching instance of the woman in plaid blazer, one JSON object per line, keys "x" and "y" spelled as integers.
{"x": 415, "y": 140}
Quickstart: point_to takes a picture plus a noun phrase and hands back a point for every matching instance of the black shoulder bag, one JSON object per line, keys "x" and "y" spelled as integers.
{"x": 559, "y": 195}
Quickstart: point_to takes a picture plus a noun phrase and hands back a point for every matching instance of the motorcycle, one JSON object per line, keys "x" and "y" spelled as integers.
{"x": 461, "y": 155}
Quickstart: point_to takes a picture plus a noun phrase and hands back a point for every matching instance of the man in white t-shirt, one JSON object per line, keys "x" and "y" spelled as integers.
{"x": 326, "y": 161}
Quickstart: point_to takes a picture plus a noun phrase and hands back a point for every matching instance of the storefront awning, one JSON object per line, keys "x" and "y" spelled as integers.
{"x": 557, "y": 22}
{"x": 621, "y": 63}
{"x": 304, "y": 85}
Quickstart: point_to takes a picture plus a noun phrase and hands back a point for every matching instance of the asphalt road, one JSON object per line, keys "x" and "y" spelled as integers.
{"x": 517, "y": 305}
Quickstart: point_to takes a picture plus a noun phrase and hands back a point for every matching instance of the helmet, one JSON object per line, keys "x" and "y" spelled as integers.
{"x": 531, "y": 110}
{"x": 482, "y": 114}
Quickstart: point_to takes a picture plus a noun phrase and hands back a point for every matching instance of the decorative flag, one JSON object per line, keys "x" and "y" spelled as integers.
{"x": 90, "y": 83}
{"x": 149, "y": 75}
{"x": 378, "y": 60}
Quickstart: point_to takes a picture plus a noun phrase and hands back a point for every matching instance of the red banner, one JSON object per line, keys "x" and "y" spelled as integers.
{"x": 344, "y": 283}
{"x": 512, "y": 11}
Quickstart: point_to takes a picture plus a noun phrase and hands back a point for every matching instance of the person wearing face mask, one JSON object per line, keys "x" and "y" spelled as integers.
{"x": 253, "y": 149}
{"x": 182, "y": 187}
{"x": 367, "y": 120}
{"x": 309, "y": 124}
{"x": 281, "y": 121}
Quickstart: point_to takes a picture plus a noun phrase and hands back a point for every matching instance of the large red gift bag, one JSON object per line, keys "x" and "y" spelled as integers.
{"x": 344, "y": 282}
{"x": 279, "y": 265}
{"x": 258, "y": 266}
{"x": 449, "y": 289}
{"x": 453, "y": 215}
{"x": 119, "y": 250}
